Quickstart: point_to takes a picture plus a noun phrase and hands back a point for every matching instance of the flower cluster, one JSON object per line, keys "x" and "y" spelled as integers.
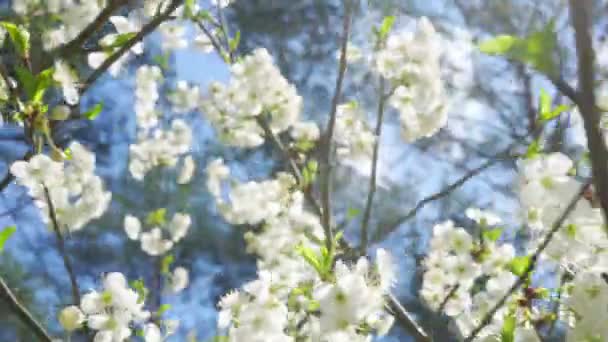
{"x": 153, "y": 241}
{"x": 348, "y": 307}
{"x": 579, "y": 249}
{"x": 410, "y": 61}
{"x": 156, "y": 146}
{"x": 73, "y": 17}
{"x": 257, "y": 90}
{"x": 294, "y": 296}
{"x": 457, "y": 266}
{"x": 110, "y": 312}
{"x": 352, "y": 135}
{"x": 76, "y": 193}
{"x": 113, "y": 41}
{"x": 249, "y": 202}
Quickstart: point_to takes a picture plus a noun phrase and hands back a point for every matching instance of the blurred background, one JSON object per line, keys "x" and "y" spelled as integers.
{"x": 493, "y": 106}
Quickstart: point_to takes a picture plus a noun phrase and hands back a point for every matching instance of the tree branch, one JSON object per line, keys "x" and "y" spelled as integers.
{"x": 533, "y": 261}
{"x": 326, "y": 147}
{"x": 443, "y": 193}
{"x": 406, "y": 320}
{"x": 22, "y": 312}
{"x": 61, "y": 247}
{"x": 374, "y": 172}
{"x": 147, "y": 29}
{"x": 580, "y": 11}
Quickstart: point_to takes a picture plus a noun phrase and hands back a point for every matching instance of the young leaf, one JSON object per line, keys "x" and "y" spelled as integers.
{"x": 166, "y": 263}
{"x": 163, "y": 308}
{"x": 519, "y": 265}
{"x": 498, "y": 45}
{"x": 234, "y": 42}
{"x": 19, "y": 36}
{"x": 157, "y": 217}
{"x": 351, "y": 213}
{"x": 42, "y": 82}
{"x": 311, "y": 258}
{"x": 508, "y": 329}
{"x": 27, "y": 80}
{"x": 5, "y": 234}
{"x": 533, "y": 150}
{"x": 545, "y": 103}
{"x": 142, "y": 291}
{"x": 386, "y": 26}
{"x": 119, "y": 41}
{"x": 492, "y": 234}
{"x": 94, "y": 112}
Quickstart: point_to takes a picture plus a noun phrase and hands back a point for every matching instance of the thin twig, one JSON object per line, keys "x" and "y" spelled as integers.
{"x": 22, "y": 312}
{"x": 443, "y": 193}
{"x": 406, "y": 320}
{"x": 580, "y": 11}
{"x": 326, "y": 147}
{"x": 147, "y": 29}
{"x": 447, "y": 298}
{"x": 531, "y": 265}
{"x": 373, "y": 176}
{"x": 62, "y": 250}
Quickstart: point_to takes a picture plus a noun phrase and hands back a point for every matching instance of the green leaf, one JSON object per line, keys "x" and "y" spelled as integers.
{"x": 508, "y": 329}
{"x": 386, "y": 26}
{"x": 119, "y": 41}
{"x": 163, "y": 308}
{"x": 94, "y": 112}
{"x": 545, "y": 103}
{"x": 166, "y": 263}
{"x": 351, "y": 213}
{"x": 498, "y": 45}
{"x": 492, "y": 234}
{"x": 43, "y": 81}
{"x": 162, "y": 60}
{"x": 533, "y": 150}
{"x": 5, "y": 234}
{"x": 27, "y": 81}
{"x": 142, "y": 291}
{"x": 310, "y": 257}
{"x": 571, "y": 231}
{"x": 548, "y": 113}
{"x": 19, "y": 36}
{"x": 189, "y": 8}
{"x": 157, "y": 217}
{"x": 519, "y": 265}
{"x": 537, "y": 49}
{"x": 557, "y": 111}
{"x": 234, "y": 42}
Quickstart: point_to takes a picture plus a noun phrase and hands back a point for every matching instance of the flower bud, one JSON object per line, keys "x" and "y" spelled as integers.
{"x": 60, "y": 113}
{"x": 71, "y": 318}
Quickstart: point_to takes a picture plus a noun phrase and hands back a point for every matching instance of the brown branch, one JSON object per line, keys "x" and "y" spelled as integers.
{"x": 487, "y": 319}
{"x": 76, "y": 43}
{"x": 62, "y": 250}
{"x": 22, "y": 312}
{"x": 580, "y": 11}
{"x": 326, "y": 147}
{"x": 373, "y": 176}
{"x": 147, "y": 29}
{"x": 441, "y": 194}
{"x": 404, "y": 318}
